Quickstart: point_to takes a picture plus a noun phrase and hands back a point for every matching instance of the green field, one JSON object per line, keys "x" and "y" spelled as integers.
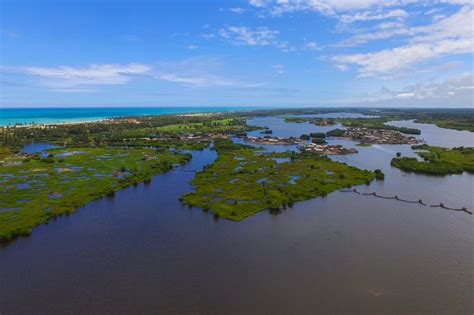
{"x": 35, "y": 189}
{"x": 438, "y": 160}
{"x": 243, "y": 180}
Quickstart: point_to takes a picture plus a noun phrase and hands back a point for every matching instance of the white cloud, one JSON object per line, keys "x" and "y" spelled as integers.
{"x": 326, "y": 7}
{"x": 456, "y": 87}
{"x": 68, "y": 78}
{"x": 455, "y": 91}
{"x": 438, "y": 17}
{"x": 237, "y": 10}
{"x": 433, "y": 11}
{"x": 312, "y": 46}
{"x": 453, "y": 35}
{"x": 342, "y": 67}
{"x": 279, "y": 69}
{"x": 368, "y": 16}
{"x": 193, "y": 47}
{"x": 457, "y": 25}
{"x": 261, "y": 36}
{"x": 389, "y": 25}
{"x": 198, "y": 72}
{"x": 206, "y": 80}
{"x": 195, "y": 72}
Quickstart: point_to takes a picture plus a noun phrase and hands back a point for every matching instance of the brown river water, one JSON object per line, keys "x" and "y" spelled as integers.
{"x": 143, "y": 252}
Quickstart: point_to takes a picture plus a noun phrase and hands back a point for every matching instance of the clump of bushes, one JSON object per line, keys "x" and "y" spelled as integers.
{"x": 379, "y": 174}
{"x": 335, "y": 132}
{"x": 317, "y": 135}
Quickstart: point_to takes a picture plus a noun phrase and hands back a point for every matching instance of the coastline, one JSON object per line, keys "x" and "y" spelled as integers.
{"x": 102, "y": 120}
{"x": 11, "y": 117}
{"x": 62, "y": 123}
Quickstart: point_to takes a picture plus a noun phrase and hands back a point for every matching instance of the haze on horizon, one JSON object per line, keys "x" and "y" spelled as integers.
{"x": 237, "y": 53}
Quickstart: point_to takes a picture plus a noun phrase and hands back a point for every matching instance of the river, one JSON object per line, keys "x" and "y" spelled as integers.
{"x": 143, "y": 252}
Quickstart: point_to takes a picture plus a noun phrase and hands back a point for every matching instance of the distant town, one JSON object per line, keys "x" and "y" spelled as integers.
{"x": 326, "y": 149}
{"x": 378, "y": 136}
{"x": 274, "y": 140}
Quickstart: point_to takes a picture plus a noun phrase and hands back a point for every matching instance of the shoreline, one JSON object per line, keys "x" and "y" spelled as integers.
{"x": 96, "y": 114}
{"x": 63, "y": 123}
{"x": 101, "y": 120}
{"x": 109, "y": 119}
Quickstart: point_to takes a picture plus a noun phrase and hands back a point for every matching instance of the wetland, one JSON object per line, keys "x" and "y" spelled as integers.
{"x": 337, "y": 252}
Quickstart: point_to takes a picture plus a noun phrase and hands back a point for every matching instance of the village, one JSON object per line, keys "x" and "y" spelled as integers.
{"x": 326, "y": 149}
{"x": 275, "y": 140}
{"x": 378, "y": 136}
{"x": 324, "y": 122}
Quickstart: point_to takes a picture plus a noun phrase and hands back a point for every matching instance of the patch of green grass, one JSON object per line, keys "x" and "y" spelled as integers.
{"x": 34, "y": 189}
{"x": 244, "y": 180}
{"x": 438, "y": 160}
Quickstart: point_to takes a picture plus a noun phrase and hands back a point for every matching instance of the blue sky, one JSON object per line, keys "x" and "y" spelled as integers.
{"x": 237, "y": 53}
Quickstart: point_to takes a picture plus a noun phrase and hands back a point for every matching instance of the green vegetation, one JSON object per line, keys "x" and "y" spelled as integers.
{"x": 376, "y": 123}
{"x": 457, "y": 123}
{"x": 458, "y": 119}
{"x": 335, "y": 132}
{"x": 317, "y": 135}
{"x": 438, "y": 160}
{"x": 371, "y": 123}
{"x": 379, "y": 174}
{"x": 35, "y": 189}
{"x": 312, "y": 120}
{"x": 243, "y": 180}
{"x": 363, "y": 144}
{"x": 319, "y": 141}
{"x": 166, "y": 131}
{"x": 99, "y": 158}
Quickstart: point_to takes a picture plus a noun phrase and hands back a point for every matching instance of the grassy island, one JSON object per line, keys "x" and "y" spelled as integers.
{"x": 36, "y": 188}
{"x": 243, "y": 180}
{"x": 437, "y": 160}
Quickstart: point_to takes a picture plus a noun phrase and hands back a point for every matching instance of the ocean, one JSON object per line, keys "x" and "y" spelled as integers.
{"x": 12, "y": 116}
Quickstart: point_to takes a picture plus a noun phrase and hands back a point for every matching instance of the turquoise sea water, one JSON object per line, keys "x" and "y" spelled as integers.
{"x": 12, "y": 116}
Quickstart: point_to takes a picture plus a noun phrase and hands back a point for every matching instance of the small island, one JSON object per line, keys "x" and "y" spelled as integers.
{"x": 243, "y": 180}
{"x": 437, "y": 160}
{"x": 274, "y": 140}
{"x": 326, "y": 149}
{"x": 373, "y": 136}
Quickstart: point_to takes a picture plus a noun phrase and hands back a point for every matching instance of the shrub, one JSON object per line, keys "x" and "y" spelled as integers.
{"x": 379, "y": 174}
{"x": 317, "y": 135}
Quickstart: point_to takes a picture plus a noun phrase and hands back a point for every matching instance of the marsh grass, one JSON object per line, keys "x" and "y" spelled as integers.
{"x": 60, "y": 190}
{"x": 263, "y": 183}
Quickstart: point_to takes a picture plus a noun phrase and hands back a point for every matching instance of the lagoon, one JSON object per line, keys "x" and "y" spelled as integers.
{"x": 142, "y": 251}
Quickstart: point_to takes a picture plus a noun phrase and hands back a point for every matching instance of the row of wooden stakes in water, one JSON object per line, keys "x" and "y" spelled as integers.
{"x": 441, "y": 205}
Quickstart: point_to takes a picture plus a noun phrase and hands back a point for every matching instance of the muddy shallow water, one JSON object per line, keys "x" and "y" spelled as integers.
{"x": 143, "y": 252}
